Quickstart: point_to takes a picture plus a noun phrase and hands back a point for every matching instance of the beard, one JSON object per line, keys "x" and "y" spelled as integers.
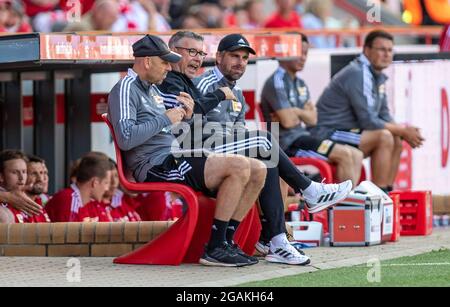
{"x": 233, "y": 76}
{"x": 36, "y": 189}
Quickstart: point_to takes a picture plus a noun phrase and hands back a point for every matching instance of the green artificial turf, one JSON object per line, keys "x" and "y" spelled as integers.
{"x": 430, "y": 269}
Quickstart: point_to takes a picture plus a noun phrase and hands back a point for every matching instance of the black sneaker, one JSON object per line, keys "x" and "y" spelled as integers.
{"x": 223, "y": 255}
{"x": 239, "y": 251}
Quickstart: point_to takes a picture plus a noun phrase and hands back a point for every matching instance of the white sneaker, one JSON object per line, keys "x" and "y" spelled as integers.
{"x": 325, "y": 195}
{"x": 286, "y": 254}
{"x": 264, "y": 248}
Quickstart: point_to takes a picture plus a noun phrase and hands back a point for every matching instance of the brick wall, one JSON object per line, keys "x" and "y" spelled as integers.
{"x": 76, "y": 239}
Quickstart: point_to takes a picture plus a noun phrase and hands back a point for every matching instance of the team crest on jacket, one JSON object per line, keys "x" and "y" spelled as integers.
{"x": 382, "y": 89}
{"x": 158, "y": 99}
{"x": 324, "y": 147}
{"x": 237, "y": 106}
{"x": 302, "y": 91}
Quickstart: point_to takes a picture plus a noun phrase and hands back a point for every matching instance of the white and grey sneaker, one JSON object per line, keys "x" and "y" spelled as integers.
{"x": 287, "y": 254}
{"x": 320, "y": 196}
{"x": 264, "y": 247}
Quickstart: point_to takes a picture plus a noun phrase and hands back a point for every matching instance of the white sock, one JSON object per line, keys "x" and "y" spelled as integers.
{"x": 278, "y": 240}
{"x": 311, "y": 191}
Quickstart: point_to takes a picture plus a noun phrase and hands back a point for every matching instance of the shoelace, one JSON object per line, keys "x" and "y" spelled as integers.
{"x": 334, "y": 186}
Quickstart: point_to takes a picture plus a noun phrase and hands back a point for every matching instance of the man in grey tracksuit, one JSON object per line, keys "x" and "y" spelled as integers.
{"x": 285, "y": 99}
{"x": 353, "y": 110}
{"x": 142, "y": 127}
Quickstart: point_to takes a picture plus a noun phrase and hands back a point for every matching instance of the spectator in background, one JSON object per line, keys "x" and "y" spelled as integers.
{"x": 178, "y": 10}
{"x": 210, "y": 14}
{"x": 316, "y": 18}
{"x": 394, "y": 6}
{"x": 13, "y": 18}
{"x": 85, "y": 5}
{"x": 13, "y": 177}
{"x": 285, "y": 16}
{"x": 4, "y": 14}
{"x": 251, "y": 15}
{"x": 319, "y": 16}
{"x": 229, "y": 15}
{"x": 300, "y": 7}
{"x": 192, "y": 21}
{"x": 78, "y": 202}
{"x": 102, "y": 17}
{"x": 55, "y": 19}
{"x": 34, "y": 7}
{"x": 142, "y": 15}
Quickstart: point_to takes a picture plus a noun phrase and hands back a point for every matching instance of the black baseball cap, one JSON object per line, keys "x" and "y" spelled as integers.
{"x": 233, "y": 42}
{"x": 151, "y": 45}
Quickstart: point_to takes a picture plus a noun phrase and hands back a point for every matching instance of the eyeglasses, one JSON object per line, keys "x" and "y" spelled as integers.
{"x": 193, "y": 52}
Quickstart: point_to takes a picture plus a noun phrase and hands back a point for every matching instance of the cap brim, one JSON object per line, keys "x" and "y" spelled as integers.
{"x": 171, "y": 57}
{"x": 237, "y": 47}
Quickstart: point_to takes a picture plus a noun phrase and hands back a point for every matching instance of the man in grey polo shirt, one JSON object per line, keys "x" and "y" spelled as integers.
{"x": 353, "y": 110}
{"x": 285, "y": 99}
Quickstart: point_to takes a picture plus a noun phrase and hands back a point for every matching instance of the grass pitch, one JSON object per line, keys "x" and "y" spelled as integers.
{"x": 430, "y": 269}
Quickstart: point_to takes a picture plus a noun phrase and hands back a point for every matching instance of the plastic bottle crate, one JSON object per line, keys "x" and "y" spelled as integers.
{"x": 416, "y": 212}
{"x": 396, "y": 225}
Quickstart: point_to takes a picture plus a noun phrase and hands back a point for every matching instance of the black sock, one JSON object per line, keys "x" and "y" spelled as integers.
{"x": 265, "y": 227}
{"x": 291, "y": 174}
{"x": 231, "y": 229}
{"x": 271, "y": 202}
{"x": 287, "y": 170}
{"x": 218, "y": 231}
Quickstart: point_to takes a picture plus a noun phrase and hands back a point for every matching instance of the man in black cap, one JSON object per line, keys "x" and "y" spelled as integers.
{"x": 142, "y": 127}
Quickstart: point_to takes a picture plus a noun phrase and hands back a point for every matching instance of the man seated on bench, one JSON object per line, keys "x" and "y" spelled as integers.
{"x": 353, "y": 110}
{"x": 285, "y": 99}
{"x": 142, "y": 126}
{"x": 13, "y": 177}
{"x": 226, "y": 116}
{"x": 79, "y": 202}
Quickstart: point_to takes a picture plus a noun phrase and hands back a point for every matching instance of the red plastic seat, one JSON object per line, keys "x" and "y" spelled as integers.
{"x": 324, "y": 167}
{"x": 184, "y": 241}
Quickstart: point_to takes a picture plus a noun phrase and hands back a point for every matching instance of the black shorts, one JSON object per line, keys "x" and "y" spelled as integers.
{"x": 185, "y": 170}
{"x": 307, "y": 146}
{"x": 347, "y": 137}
